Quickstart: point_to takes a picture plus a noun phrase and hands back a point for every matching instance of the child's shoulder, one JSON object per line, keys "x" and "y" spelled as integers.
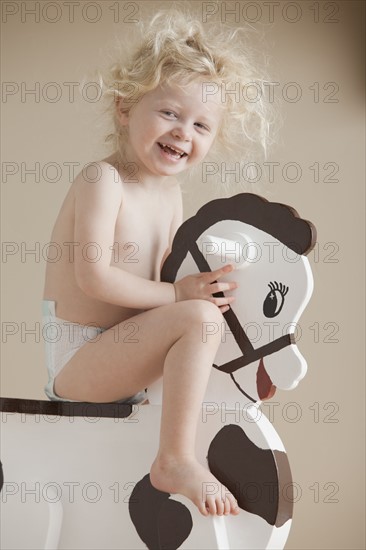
{"x": 98, "y": 181}
{"x": 97, "y": 171}
{"x": 97, "y": 174}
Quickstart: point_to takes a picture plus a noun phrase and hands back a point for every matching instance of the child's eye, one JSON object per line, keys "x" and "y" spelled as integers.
{"x": 203, "y": 126}
{"x": 168, "y": 113}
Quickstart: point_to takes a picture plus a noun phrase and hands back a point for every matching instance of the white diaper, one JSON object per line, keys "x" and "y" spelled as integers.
{"x": 62, "y": 340}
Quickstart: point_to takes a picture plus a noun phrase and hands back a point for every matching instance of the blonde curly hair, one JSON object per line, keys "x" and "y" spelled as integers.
{"x": 176, "y": 48}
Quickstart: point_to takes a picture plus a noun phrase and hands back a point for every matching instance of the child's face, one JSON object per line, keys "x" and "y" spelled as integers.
{"x": 186, "y": 120}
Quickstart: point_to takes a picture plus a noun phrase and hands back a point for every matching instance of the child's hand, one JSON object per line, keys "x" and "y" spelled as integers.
{"x": 203, "y": 285}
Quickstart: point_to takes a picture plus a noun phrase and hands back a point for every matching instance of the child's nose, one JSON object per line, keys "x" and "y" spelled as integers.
{"x": 182, "y": 132}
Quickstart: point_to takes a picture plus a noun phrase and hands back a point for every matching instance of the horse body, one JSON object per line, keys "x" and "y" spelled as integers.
{"x": 99, "y": 454}
{"x": 258, "y": 354}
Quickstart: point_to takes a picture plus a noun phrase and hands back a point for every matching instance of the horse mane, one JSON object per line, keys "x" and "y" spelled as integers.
{"x": 277, "y": 219}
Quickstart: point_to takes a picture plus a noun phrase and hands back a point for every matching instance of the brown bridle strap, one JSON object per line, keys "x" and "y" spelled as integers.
{"x": 249, "y": 353}
{"x": 259, "y": 353}
{"x": 240, "y": 337}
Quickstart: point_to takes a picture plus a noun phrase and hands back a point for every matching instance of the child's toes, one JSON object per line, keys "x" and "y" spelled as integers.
{"x": 211, "y": 506}
{"x": 202, "y": 506}
{"x": 220, "y": 506}
{"x": 234, "y": 507}
{"x": 227, "y": 507}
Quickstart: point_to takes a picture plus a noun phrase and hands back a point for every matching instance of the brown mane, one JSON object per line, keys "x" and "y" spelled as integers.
{"x": 276, "y": 219}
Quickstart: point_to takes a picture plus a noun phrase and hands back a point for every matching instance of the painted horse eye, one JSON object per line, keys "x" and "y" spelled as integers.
{"x": 275, "y": 299}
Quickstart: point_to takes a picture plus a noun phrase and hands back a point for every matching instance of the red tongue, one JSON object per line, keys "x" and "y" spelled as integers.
{"x": 265, "y": 388}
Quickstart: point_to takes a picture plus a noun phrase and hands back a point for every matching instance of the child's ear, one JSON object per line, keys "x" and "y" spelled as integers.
{"x": 122, "y": 112}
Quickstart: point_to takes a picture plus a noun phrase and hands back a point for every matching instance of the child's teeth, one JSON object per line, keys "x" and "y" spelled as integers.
{"x": 172, "y": 151}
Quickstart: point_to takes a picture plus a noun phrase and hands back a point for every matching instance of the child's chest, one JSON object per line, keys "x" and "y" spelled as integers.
{"x": 142, "y": 234}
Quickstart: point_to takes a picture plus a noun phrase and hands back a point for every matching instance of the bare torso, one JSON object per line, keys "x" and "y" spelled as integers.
{"x": 143, "y": 232}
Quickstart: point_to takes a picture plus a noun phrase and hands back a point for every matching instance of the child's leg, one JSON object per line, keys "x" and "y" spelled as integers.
{"x": 175, "y": 470}
{"x": 168, "y": 342}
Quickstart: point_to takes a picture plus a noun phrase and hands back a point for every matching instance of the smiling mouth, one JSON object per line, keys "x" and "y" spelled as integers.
{"x": 175, "y": 153}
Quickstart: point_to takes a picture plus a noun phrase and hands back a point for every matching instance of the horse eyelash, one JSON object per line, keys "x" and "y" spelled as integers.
{"x": 283, "y": 289}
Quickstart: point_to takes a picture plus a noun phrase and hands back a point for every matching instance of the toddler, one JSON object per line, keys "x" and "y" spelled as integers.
{"x": 117, "y": 327}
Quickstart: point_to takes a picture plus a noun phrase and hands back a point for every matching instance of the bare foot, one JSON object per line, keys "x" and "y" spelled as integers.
{"x": 188, "y": 477}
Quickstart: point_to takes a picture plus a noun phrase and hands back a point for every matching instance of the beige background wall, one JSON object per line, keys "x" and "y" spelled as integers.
{"x": 321, "y": 422}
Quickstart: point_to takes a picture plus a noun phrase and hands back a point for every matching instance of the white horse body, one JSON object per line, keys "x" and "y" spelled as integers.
{"x": 85, "y": 471}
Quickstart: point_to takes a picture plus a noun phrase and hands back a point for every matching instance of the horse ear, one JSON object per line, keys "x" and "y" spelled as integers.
{"x": 235, "y": 248}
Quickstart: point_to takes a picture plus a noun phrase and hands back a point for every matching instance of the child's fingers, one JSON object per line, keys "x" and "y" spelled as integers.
{"x": 218, "y": 273}
{"x": 222, "y": 301}
{"x": 222, "y": 287}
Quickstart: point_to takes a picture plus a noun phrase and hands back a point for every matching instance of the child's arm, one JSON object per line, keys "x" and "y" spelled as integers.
{"x": 96, "y": 208}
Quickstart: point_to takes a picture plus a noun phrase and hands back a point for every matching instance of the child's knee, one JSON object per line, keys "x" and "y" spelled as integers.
{"x": 203, "y": 313}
